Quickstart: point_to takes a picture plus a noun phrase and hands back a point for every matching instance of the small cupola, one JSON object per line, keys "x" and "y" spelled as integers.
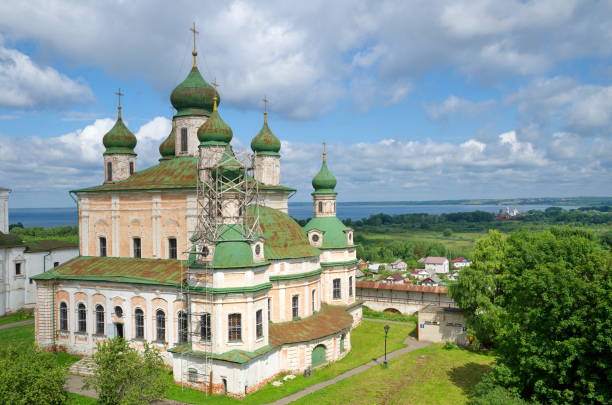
{"x": 119, "y": 155}
{"x": 265, "y": 142}
{"x": 324, "y": 181}
{"x": 215, "y": 131}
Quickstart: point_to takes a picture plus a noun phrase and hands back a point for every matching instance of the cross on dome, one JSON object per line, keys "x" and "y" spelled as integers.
{"x": 194, "y": 52}
{"x": 119, "y": 94}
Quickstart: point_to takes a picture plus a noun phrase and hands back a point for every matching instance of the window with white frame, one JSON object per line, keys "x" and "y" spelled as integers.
{"x": 336, "y": 288}
{"x": 259, "y": 324}
{"x": 81, "y": 318}
{"x": 295, "y": 306}
{"x": 160, "y": 326}
{"x": 99, "y": 320}
{"x": 63, "y": 316}
{"x": 234, "y": 327}
{"x": 139, "y": 322}
{"x": 205, "y": 327}
{"x": 182, "y": 327}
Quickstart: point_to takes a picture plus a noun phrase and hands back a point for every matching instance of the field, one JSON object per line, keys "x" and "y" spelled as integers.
{"x": 431, "y": 375}
{"x": 463, "y": 241}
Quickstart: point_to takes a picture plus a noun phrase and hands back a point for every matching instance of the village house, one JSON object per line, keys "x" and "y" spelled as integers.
{"x": 431, "y": 281}
{"x": 419, "y": 274}
{"x": 394, "y": 278}
{"x": 399, "y": 265}
{"x": 461, "y": 262}
{"x": 436, "y": 265}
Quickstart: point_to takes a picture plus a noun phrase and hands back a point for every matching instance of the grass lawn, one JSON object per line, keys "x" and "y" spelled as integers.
{"x": 431, "y": 375}
{"x": 76, "y": 399}
{"x": 16, "y": 317}
{"x": 367, "y": 343}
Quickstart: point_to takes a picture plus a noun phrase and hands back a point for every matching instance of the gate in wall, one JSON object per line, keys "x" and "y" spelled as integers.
{"x": 318, "y": 355}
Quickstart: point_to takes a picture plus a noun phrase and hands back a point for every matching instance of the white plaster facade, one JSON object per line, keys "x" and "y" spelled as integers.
{"x": 4, "y": 221}
{"x": 121, "y": 167}
{"x": 18, "y": 291}
{"x": 267, "y": 169}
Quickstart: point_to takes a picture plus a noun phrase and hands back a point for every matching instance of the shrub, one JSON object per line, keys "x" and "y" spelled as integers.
{"x": 30, "y": 376}
{"x": 123, "y": 376}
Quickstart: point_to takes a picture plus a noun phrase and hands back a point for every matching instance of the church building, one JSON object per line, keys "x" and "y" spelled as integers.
{"x": 198, "y": 256}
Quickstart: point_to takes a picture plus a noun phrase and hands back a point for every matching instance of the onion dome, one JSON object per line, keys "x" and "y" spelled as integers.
{"x": 194, "y": 96}
{"x": 119, "y": 140}
{"x": 324, "y": 182}
{"x": 168, "y": 146}
{"x": 266, "y": 143}
{"x": 215, "y": 131}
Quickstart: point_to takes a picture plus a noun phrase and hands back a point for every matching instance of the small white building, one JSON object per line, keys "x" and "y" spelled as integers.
{"x": 376, "y": 267}
{"x": 431, "y": 281}
{"x": 436, "y": 265}
{"x": 419, "y": 274}
{"x": 20, "y": 261}
{"x": 442, "y": 324}
{"x": 395, "y": 278}
{"x": 461, "y": 262}
{"x": 400, "y": 265}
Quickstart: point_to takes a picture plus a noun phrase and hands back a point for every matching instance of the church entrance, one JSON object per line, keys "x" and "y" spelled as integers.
{"x": 119, "y": 330}
{"x": 318, "y": 355}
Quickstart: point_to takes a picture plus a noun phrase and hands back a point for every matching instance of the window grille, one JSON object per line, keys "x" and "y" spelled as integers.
{"x": 259, "y": 324}
{"x": 82, "y": 318}
{"x": 205, "y": 327}
{"x": 99, "y": 320}
{"x": 63, "y": 316}
{"x": 295, "y": 306}
{"x": 160, "y": 326}
{"x": 234, "y": 327}
{"x": 336, "y": 289}
{"x": 139, "y": 320}
{"x": 182, "y": 327}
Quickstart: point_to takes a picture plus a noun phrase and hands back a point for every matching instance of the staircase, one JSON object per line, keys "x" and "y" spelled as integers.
{"x": 83, "y": 367}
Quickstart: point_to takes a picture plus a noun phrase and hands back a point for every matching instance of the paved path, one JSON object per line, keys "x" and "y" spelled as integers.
{"x": 12, "y": 325}
{"x": 412, "y": 343}
{"x": 386, "y": 321}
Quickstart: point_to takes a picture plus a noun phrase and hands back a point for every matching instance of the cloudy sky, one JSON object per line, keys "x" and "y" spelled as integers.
{"x": 417, "y": 100}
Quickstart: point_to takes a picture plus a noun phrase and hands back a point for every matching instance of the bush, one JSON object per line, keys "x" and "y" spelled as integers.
{"x": 447, "y": 232}
{"x": 123, "y": 376}
{"x": 497, "y": 396}
{"x": 30, "y": 376}
{"x": 449, "y": 346}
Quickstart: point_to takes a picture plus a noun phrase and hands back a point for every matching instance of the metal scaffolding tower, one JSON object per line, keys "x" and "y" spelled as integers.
{"x": 225, "y": 191}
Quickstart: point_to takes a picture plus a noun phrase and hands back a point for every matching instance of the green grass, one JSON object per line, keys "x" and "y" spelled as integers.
{"x": 431, "y": 375}
{"x": 389, "y": 316}
{"x": 76, "y": 399}
{"x": 18, "y": 316}
{"x": 17, "y": 334}
{"x": 460, "y": 241}
{"x": 367, "y": 343}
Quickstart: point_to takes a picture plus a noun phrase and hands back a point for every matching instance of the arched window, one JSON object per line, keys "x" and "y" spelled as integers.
{"x": 160, "y": 326}
{"x": 63, "y": 315}
{"x": 320, "y": 206}
{"x": 182, "y": 327}
{"x": 234, "y": 327}
{"x": 82, "y": 318}
{"x": 314, "y": 301}
{"x": 295, "y": 306}
{"x": 139, "y": 320}
{"x": 131, "y": 168}
{"x": 109, "y": 171}
{"x": 99, "y": 320}
{"x": 205, "y": 327}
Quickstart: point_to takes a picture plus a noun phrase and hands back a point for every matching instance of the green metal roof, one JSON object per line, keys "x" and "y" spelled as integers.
{"x": 167, "y": 149}
{"x": 180, "y": 172}
{"x": 47, "y": 245}
{"x": 334, "y": 231}
{"x": 284, "y": 238}
{"x": 266, "y": 143}
{"x": 233, "y": 356}
{"x": 9, "y": 240}
{"x": 194, "y": 96}
{"x": 215, "y": 130}
{"x": 324, "y": 181}
{"x": 119, "y": 270}
{"x": 119, "y": 140}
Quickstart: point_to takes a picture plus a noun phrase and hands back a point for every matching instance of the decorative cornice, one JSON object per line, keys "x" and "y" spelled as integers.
{"x": 296, "y": 276}
{"x": 231, "y": 290}
{"x": 333, "y": 264}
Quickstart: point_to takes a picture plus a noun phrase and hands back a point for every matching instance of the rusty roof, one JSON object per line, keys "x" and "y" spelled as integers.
{"x": 118, "y": 270}
{"x": 329, "y": 320}
{"x": 179, "y": 172}
{"x": 401, "y": 287}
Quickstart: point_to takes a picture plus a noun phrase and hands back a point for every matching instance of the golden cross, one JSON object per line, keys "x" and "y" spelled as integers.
{"x": 195, "y": 32}
{"x": 265, "y": 101}
{"x": 119, "y": 94}
{"x": 324, "y": 152}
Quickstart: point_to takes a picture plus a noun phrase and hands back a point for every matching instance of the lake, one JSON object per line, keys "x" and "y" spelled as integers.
{"x": 49, "y": 217}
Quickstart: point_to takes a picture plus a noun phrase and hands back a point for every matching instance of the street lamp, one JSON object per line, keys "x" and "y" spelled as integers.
{"x": 386, "y": 332}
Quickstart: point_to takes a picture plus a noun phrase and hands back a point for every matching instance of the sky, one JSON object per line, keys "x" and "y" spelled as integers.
{"x": 416, "y": 100}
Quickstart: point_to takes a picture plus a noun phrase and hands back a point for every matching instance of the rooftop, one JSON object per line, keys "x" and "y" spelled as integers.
{"x": 47, "y": 245}
{"x": 434, "y": 260}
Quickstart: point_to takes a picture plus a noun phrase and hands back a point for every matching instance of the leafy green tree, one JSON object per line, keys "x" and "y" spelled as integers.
{"x": 123, "y": 376}
{"x": 30, "y": 376}
{"x": 447, "y": 232}
{"x": 544, "y": 299}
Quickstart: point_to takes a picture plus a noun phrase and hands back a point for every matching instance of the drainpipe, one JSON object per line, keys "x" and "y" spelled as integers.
{"x": 45, "y": 261}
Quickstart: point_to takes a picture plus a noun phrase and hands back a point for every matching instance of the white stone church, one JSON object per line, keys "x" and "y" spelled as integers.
{"x": 237, "y": 311}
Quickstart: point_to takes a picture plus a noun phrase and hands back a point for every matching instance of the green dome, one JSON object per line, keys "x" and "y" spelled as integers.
{"x": 324, "y": 182}
{"x": 215, "y": 131}
{"x": 266, "y": 143}
{"x": 168, "y": 146}
{"x": 119, "y": 140}
{"x": 194, "y": 96}
{"x": 334, "y": 231}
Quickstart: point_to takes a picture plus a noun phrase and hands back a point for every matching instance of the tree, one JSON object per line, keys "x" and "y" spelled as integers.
{"x": 447, "y": 232}
{"x": 123, "y": 376}
{"x": 30, "y": 376}
{"x": 544, "y": 300}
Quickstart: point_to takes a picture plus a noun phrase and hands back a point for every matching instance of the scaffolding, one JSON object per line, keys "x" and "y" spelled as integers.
{"x": 225, "y": 191}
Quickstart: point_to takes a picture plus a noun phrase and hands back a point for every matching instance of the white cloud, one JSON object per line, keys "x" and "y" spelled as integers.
{"x": 24, "y": 84}
{"x": 308, "y": 56}
{"x": 454, "y": 105}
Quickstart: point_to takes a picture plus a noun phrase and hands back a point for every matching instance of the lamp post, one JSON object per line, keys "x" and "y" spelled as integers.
{"x": 386, "y": 332}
